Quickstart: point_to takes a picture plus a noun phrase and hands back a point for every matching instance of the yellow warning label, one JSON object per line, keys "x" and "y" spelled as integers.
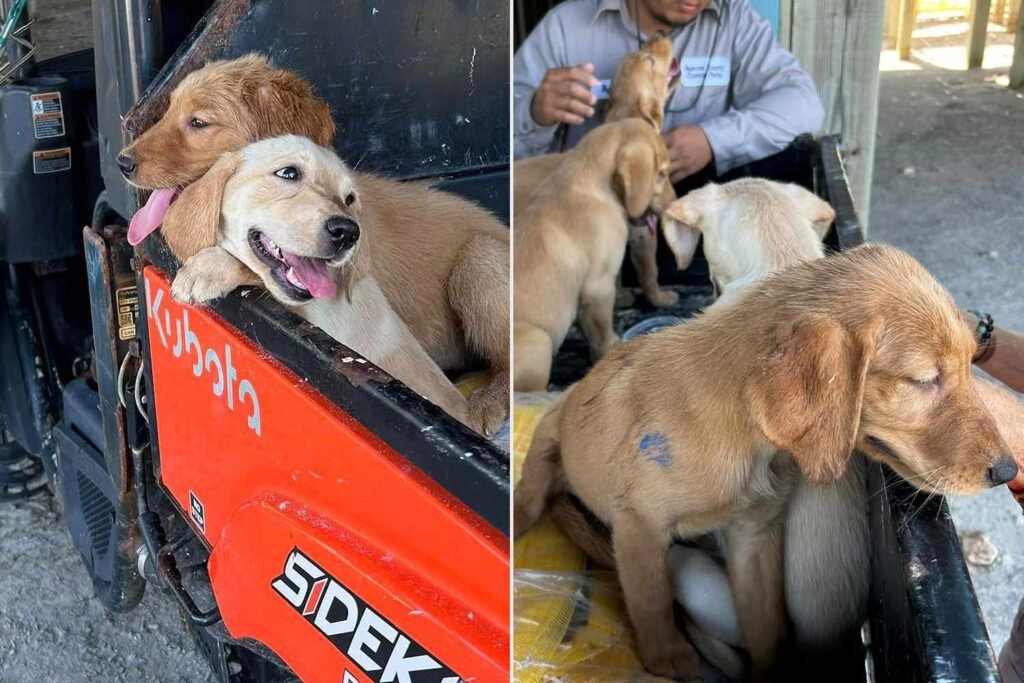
{"x": 127, "y": 301}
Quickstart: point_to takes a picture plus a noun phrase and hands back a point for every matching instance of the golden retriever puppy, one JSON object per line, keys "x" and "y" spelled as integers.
{"x": 707, "y": 424}
{"x": 292, "y": 213}
{"x": 440, "y": 260}
{"x": 642, "y": 85}
{"x": 751, "y": 228}
{"x": 214, "y": 110}
{"x": 570, "y": 240}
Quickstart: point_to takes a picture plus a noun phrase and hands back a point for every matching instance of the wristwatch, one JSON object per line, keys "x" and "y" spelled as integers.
{"x": 984, "y": 333}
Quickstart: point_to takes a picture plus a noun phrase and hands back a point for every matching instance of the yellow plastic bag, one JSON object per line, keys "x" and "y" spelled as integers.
{"x": 569, "y": 625}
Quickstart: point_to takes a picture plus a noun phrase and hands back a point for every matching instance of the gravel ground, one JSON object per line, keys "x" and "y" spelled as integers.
{"x": 53, "y": 629}
{"x": 947, "y": 188}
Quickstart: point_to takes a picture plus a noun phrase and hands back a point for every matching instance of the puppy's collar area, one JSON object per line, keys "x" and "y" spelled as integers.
{"x": 650, "y": 219}
{"x": 300, "y": 277}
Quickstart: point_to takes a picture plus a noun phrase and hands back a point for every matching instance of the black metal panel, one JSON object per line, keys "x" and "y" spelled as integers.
{"x": 418, "y": 89}
{"x": 126, "y": 38}
{"x": 835, "y": 187}
{"x": 27, "y": 404}
{"x": 488, "y": 189}
{"x": 461, "y": 461}
{"x": 111, "y": 294}
{"x": 925, "y": 621}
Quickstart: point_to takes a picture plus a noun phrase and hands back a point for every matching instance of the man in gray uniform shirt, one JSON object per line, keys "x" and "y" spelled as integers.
{"x": 741, "y": 96}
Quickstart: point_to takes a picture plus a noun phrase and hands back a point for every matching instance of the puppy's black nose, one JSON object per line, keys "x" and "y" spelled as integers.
{"x": 127, "y": 164}
{"x": 1002, "y": 470}
{"x": 344, "y": 231}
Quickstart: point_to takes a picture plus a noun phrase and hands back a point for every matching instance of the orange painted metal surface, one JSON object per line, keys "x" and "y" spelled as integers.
{"x": 327, "y": 545}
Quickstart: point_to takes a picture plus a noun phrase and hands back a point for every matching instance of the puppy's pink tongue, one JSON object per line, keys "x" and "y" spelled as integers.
{"x": 652, "y": 221}
{"x": 147, "y": 219}
{"x": 313, "y": 275}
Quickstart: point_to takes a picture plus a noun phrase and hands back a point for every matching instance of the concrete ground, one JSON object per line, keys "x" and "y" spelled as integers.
{"x": 947, "y": 188}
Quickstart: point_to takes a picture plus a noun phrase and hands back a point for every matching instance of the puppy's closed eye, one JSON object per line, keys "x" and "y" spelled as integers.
{"x": 925, "y": 382}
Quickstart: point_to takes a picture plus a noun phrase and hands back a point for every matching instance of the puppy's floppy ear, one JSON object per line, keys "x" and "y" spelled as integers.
{"x": 283, "y": 103}
{"x": 806, "y": 396}
{"x": 634, "y": 176}
{"x": 817, "y": 210}
{"x": 679, "y": 224}
{"x": 192, "y": 220}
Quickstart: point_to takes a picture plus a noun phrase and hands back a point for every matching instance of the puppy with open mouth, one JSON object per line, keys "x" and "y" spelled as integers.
{"x": 441, "y": 261}
{"x": 290, "y": 212}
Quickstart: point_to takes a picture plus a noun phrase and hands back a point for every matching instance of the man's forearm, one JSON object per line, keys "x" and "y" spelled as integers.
{"x": 1007, "y": 360}
{"x": 763, "y": 127}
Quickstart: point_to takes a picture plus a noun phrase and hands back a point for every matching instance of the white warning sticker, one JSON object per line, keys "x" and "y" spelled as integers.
{"x": 47, "y": 115}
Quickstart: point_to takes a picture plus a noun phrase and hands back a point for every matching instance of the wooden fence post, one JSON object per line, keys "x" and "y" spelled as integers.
{"x": 839, "y": 43}
{"x": 977, "y": 33}
{"x": 908, "y": 15}
{"x": 1017, "y": 67}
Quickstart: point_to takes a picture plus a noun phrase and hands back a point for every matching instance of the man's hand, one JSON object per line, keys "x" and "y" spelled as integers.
{"x": 564, "y": 96}
{"x": 688, "y": 151}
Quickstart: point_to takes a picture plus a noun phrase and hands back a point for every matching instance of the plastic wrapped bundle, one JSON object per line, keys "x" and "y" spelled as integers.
{"x": 570, "y": 624}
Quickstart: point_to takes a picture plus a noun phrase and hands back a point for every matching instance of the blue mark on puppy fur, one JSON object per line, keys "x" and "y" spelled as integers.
{"x": 654, "y": 446}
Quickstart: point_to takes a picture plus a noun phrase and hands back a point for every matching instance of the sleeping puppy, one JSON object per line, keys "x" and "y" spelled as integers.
{"x": 643, "y": 83}
{"x": 752, "y": 228}
{"x": 570, "y": 240}
{"x": 688, "y": 430}
{"x": 441, "y": 261}
{"x": 293, "y": 214}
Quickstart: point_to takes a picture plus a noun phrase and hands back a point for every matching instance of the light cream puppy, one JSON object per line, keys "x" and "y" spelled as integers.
{"x": 291, "y": 212}
{"x": 570, "y": 241}
{"x": 751, "y": 227}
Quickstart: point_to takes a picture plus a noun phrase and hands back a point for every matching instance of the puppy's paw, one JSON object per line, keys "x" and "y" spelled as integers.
{"x": 671, "y": 657}
{"x": 488, "y": 411}
{"x": 210, "y": 274}
{"x": 624, "y": 297}
{"x": 663, "y": 298}
{"x": 192, "y": 286}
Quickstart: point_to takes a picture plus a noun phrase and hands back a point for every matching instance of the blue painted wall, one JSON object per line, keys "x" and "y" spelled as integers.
{"x": 769, "y": 9}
